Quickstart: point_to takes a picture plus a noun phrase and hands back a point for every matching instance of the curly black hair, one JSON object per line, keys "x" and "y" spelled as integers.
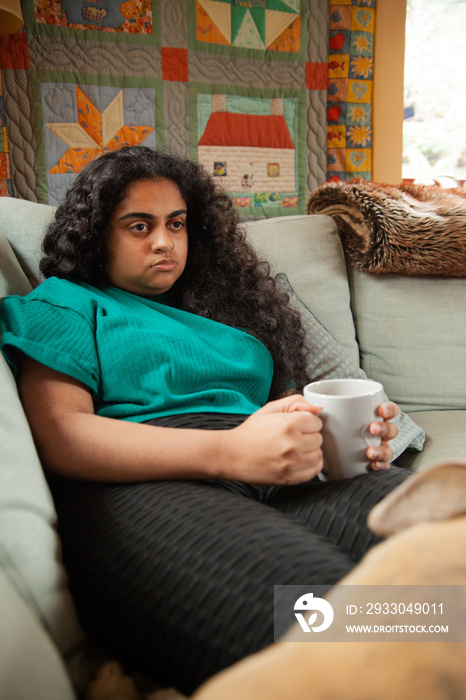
{"x": 223, "y": 280}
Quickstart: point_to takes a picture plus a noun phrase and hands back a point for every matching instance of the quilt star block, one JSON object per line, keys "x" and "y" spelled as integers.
{"x": 257, "y": 25}
{"x": 79, "y": 121}
{"x": 94, "y": 133}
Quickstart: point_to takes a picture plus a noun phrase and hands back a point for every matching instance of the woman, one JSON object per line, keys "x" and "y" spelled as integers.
{"x": 160, "y": 370}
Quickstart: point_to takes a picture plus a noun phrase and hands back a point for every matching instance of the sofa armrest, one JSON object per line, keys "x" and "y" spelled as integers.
{"x": 30, "y": 665}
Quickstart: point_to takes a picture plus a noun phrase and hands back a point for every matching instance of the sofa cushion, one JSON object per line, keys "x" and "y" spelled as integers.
{"x": 328, "y": 359}
{"x": 412, "y": 337}
{"x": 445, "y": 439}
{"x": 307, "y": 249}
{"x": 24, "y": 224}
{"x": 30, "y": 666}
{"x": 30, "y": 553}
{"x": 12, "y": 277}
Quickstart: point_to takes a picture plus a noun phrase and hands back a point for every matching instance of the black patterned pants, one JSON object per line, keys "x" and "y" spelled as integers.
{"x": 176, "y": 578}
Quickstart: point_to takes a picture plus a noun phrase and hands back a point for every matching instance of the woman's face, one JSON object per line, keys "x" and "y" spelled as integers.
{"x": 148, "y": 240}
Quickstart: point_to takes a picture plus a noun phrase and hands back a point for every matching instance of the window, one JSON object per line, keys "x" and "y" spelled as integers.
{"x": 434, "y": 127}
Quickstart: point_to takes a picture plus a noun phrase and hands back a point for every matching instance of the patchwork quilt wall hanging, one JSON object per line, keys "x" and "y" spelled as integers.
{"x": 350, "y": 68}
{"x": 272, "y": 96}
{"x": 6, "y": 186}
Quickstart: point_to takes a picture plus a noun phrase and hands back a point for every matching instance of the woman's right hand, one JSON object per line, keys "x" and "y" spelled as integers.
{"x": 278, "y": 444}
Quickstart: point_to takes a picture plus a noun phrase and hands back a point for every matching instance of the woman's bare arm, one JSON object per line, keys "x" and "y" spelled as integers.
{"x": 278, "y": 444}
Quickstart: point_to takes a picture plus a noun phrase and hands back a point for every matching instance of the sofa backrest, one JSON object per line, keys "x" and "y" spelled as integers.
{"x": 24, "y": 224}
{"x": 308, "y": 250}
{"x": 412, "y": 337}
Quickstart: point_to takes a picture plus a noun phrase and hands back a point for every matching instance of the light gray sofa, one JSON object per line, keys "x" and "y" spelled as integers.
{"x": 408, "y": 333}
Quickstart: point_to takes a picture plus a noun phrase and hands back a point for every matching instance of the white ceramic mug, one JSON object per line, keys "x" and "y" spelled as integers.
{"x": 349, "y": 407}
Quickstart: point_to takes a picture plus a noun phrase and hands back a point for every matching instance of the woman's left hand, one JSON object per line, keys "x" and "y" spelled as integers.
{"x": 380, "y": 456}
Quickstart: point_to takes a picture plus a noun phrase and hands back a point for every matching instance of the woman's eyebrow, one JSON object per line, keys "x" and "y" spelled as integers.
{"x": 150, "y": 217}
{"x": 137, "y": 215}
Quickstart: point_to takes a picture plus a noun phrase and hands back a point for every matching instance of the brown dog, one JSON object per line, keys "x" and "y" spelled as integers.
{"x": 425, "y": 518}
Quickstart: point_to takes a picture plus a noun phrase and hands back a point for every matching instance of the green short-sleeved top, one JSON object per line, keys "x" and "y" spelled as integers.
{"x": 139, "y": 358}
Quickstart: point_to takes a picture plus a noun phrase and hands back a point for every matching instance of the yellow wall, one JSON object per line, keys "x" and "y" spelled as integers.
{"x": 389, "y": 51}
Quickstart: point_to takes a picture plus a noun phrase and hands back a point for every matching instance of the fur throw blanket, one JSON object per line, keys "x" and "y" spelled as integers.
{"x": 406, "y": 229}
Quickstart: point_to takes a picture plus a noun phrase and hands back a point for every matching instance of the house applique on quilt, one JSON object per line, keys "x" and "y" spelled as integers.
{"x": 253, "y": 154}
